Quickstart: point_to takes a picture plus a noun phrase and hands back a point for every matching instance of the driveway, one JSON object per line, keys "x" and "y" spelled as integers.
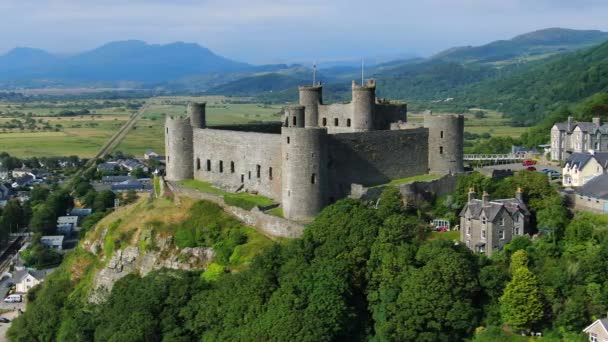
{"x": 4, "y": 326}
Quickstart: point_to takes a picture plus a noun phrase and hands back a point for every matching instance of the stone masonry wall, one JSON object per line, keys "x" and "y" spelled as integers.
{"x": 375, "y": 157}
{"x": 231, "y": 160}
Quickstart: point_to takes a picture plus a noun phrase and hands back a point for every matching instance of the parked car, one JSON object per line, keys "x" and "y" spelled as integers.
{"x": 553, "y": 173}
{"x": 528, "y": 162}
{"x": 14, "y": 298}
{"x": 4, "y": 320}
{"x": 545, "y": 170}
{"x": 531, "y": 168}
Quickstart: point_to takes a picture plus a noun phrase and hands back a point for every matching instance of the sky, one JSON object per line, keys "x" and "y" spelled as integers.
{"x": 266, "y": 31}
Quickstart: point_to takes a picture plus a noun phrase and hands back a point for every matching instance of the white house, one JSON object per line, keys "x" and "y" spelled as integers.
{"x": 24, "y": 280}
{"x": 53, "y": 242}
{"x": 582, "y": 167}
{"x": 598, "y": 330}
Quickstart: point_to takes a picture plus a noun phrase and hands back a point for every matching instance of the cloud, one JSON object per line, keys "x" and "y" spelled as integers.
{"x": 272, "y": 30}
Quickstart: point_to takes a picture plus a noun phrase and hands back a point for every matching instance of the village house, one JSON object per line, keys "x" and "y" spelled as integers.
{"x": 593, "y": 196}
{"x": 26, "y": 279}
{"x": 582, "y": 167}
{"x": 598, "y": 330}
{"x": 487, "y": 225}
{"x": 577, "y": 137}
{"x": 54, "y": 242}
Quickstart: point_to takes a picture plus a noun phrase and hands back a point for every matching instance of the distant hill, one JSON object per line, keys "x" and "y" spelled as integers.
{"x": 118, "y": 61}
{"x": 526, "y": 46}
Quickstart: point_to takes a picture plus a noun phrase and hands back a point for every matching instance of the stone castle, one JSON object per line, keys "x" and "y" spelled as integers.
{"x": 322, "y": 149}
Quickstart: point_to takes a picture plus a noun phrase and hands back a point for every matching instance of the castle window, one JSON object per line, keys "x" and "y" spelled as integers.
{"x": 221, "y": 166}
{"x": 258, "y": 170}
{"x": 336, "y": 122}
{"x": 167, "y": 130}
{"x": 288, "y": 140}
{"x": 198, "y": 163}
{"x": 249, "y": 175}
{"x": 313, "y": 178}
{"x": 324, "y": 122}
{"x": 270, "y": 173}
{"x": 231, "y": 167}
{"x": 242, "y": 178}
{"x": 347, "y": 122}
{"x": 286, "y": 122}
{"x": 295, "y": 120}
{"x": 440, "y": 149}
{"x": 441, "y": 134}
{"x": 208, "y": 165}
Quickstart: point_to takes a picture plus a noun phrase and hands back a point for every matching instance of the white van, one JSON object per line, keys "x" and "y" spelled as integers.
{"x": 14, "y": 298}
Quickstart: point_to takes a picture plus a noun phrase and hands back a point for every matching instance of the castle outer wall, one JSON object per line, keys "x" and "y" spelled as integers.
{"x": 232, "y": 159}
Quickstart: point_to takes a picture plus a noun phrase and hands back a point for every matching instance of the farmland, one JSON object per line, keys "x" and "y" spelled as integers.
{"x": 59, "y": 128}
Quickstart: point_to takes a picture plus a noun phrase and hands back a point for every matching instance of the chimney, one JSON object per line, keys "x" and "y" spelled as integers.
{"x": 570, "y": 123}
{"x": 597, "y": 121}
{"x": 485, "y": 198}
{"x": 472, "y": 194}
{"x": 519, "y": 194}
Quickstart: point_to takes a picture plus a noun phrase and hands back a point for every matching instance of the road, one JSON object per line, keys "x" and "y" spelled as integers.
{"x": 4, "y": 326}
{"x": 114, "y": 141}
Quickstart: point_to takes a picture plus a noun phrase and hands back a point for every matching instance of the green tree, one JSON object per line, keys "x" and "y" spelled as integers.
{"x": 521, "y": 303}
{"x": 43, "y": 220}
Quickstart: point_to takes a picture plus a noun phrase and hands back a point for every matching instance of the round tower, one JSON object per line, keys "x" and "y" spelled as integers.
{"x": 294, "y": 116}
{"x": 304, "y": 173}
{"x": 196, "y": 112}
{"x": 178, "y": 149}
{"x": 363, "y": 105}
{"x": 446, "y": 142}
{"x": 311, "y": 97}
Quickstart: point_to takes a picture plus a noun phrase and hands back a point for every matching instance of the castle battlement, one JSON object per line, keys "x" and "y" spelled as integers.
{"x": 321, "y": 151}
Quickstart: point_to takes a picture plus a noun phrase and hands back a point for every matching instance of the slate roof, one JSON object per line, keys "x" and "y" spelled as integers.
{"x": 586, "y": 126}
{"x": 562, "y": 126}
{"x": 597, "y": 187}
{"x": 602, "y": 158}
{"x": 512, "y": 205}
{"x": 19, "y": 275}
{"x": 578, "y": 159}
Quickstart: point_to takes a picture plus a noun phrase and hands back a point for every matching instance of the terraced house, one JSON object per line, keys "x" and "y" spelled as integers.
{"x": 578, "y": 137}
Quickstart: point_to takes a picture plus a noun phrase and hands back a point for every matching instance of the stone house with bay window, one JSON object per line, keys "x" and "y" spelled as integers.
{"x": 487, "y": 225}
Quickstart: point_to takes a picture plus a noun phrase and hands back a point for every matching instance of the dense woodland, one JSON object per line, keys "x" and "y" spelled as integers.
{"x": 358, "y": 273}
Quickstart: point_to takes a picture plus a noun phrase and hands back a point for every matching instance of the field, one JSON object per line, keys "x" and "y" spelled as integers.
{"x": 56, "y": 128}
{"x": 62, "y": 128}
{"x": 492, "y": 122}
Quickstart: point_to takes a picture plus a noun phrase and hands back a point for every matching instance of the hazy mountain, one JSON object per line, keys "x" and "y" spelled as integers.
{"x": 118, "y": 61}
{"x": 526, "y": 46}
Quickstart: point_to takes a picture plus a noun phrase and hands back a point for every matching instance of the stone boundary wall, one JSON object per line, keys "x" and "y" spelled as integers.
{"x": 426, "y": 190}
{"x": 268, "y": 225}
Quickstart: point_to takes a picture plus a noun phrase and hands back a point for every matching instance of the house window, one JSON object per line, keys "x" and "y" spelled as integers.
{"x": 515, "y": 218}
{"x": 501, "y": 234}
{"x": 221, "y": 166}
{"x": 468, "y": 230}
{"x": 231, "y": 167}
{"x": 208, "y": 165}
{"x": 483, "y": 220}
{"x": 483, "y": 233}
{"x": 313, "y": 178}
{"x": 347, "y": 122}
{"x": 516, "y": 231}
{"x": 502, "y": 221}
{"x": 270, "y": 173}
{"x": 593, "y": 337}
{"x": 440, "y": 149}
{"x": 336, "y": 122}
{"x": 324, "y": 122}
{"x": 198, "y": 163}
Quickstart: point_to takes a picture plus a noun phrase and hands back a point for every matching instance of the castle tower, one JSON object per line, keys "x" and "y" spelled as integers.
{"x": 178, "y": 149}
{"x": 304, "y": 173}
{"x": 196, "y": 112}
{"x": 363, "y": 105}
{"x": 311, "y": 98}
{"x": 294, "y": 116}
{"x": 446, "y": 143}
